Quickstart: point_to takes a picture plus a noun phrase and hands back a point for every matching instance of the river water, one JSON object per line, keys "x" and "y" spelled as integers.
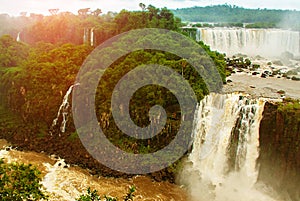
{"x": 65, "y": 183}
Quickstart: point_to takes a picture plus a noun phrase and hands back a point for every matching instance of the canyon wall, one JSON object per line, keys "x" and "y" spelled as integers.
{"x": 279, "y": 160}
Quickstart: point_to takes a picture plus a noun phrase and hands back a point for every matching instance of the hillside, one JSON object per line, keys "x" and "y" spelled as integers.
{"x": 235, "y": 14}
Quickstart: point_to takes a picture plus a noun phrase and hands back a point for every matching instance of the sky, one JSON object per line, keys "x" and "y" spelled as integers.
{"x": 14, "y": 7}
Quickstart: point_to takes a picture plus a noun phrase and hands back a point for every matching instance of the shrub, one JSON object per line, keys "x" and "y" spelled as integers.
{"x": 20, "y": 182}
{"x": 94, "y": 196}
{"x": 90, "y": 196}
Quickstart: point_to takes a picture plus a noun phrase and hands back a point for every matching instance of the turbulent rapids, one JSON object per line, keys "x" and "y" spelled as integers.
{"x": 222, "y": 165}
{"x": 65, "y": 183}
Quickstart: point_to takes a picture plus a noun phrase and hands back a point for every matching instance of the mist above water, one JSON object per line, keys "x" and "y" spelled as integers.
{"x": 222, "y": 164}
{"x": 270, "y": 43}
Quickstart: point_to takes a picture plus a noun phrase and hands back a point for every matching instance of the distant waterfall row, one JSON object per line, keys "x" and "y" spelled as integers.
{"x": 222, "y": 164}
{"x": 252, "y": 42}
{"x": 88, "y": 36}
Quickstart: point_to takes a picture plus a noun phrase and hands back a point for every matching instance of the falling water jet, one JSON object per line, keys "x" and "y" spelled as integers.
{"x": 252, "y": 42}
{"x": 207, "y": 173}
{"x": 18, "y": 39}
{"x": 92, "y": 37}
{"x": 63, "y": 110}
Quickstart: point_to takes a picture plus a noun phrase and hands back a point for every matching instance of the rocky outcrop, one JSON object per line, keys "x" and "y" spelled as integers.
{"x": 279, "y": 161}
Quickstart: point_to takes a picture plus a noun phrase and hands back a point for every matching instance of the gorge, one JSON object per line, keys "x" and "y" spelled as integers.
{"x": 246, "y": 146}
{"x": 236, "y": 155}
{"x": 241, "y": 151}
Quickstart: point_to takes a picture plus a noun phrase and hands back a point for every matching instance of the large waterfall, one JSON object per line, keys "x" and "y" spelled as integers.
{"x": 222, "y": 164}
{"x": 252, "y": 42}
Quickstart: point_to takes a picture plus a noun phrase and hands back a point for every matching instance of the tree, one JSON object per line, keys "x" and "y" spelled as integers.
{"x": 92, "y": 195}
{"x": 97, "y": 12}
{"x": 83, "y": 11}
{"x": 20, "y": 182}
{"x": 53, "y": 11}
{"x": 142, "y": 6}
{"x": 12, "y": 53}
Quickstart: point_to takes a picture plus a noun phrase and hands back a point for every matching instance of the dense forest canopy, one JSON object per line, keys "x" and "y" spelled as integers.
{"x": 41, "y": 56}
{"x": 69, "y": 28}
{"x": 234, "y": 14}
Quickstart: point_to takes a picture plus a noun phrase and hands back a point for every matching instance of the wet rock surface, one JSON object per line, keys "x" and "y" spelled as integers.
{"x": 279, "y": 161}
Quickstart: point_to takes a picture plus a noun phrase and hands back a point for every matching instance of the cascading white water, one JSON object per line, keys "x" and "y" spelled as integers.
{"x": 207, "y": 173}
{"x": 252, "y": 42}
{"x": 63, "y": 109}
{"x": 18, "y": 37}
{"x": 89, "y": 36}
{"x": 92, "y": 37}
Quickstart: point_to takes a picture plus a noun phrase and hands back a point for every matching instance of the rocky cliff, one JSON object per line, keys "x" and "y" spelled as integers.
{"x": 279, "y": 160}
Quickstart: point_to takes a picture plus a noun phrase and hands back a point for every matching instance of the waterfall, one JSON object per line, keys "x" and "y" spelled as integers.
{"x": 88, "y": 36}
{"x": 63, "y": 110}
{"x": 92, "y": 37}
{"x": 226, "y": 130}
{"x": 85, "y": 35}
{"x": 18, "y": 39}
{"x": 252, "y": 42}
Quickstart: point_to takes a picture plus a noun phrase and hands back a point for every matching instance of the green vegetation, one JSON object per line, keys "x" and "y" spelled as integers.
{"x": 290, "y": 74}
{"x": 262, "y": 25}
{"x": 20, "y": 182}
{"x": 12, "y": 53}
{"x": 43, "y": 68}
{"x": 224, "y": 24}
{"x": 289, "y": 105}
{"x": 36, "y": 73}
{"x": 258, "y": 18}
{"x": 76, "y": 29}
{"x": 92, "y": 195}
{"x": 240, "y": 62}
{"x": 290, "y": 110}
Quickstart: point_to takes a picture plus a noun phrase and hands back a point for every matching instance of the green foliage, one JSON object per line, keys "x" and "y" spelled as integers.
{"x": 218, "y": 59}
{"x": 20, "y": 182}
{"x": 290, "y": 110}
{"x": 12, "y": 53}
{"x": 292, "y": 72}
{"x": 229, "y": 24}
{"x": 150, "y": 18}
{"x": 224, "y": 24}
{"x": 262, "y": 25}
{"x": 92, "y": 195}
{"x": 262, "y": 18}
{"x": 35, "y": 88}
{"x": 150, "y": 95}
{"x": 68, "y": 28}
{"x": 129, "y": 196}
{"x": 73, "y": 136}
{"x": 47, "y": 74}
{"x": 289, "y": 105}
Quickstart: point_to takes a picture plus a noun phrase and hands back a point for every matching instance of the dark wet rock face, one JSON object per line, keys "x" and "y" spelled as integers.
{"x": 279, "y": 161}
